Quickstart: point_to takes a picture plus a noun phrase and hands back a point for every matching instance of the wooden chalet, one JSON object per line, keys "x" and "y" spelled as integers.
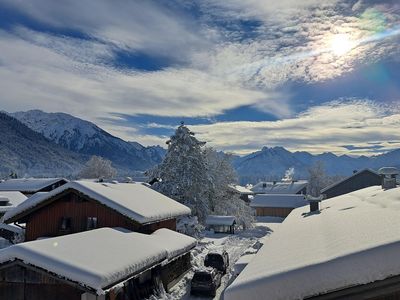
{"x": 83, "y": 205}
{"x": 348, "y": 249}
{"x": 30, "y": 186}
{"x": 281, "y": 187}
{"x": 357, "y": 181}
{"x": 105, "y": 263}
{"x": 276, "y": 205}
{"x": 221, "y": 224}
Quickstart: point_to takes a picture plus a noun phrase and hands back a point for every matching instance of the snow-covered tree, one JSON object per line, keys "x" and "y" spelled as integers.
{"x": 98, "y": 167}
{"x": 316, "y": 179}
{"x": 183, "y": 173}
{"x": 223, "y": 201}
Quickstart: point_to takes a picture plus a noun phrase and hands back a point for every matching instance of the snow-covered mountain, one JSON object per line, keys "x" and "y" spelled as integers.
{"x": 271, "y": 163}
{"x": 29, "y": 153}
{"x": 86, "y": 138}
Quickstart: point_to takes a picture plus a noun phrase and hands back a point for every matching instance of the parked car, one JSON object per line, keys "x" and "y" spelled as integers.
{"x": 219, "y": 261}
{"x": 206, "y": 282}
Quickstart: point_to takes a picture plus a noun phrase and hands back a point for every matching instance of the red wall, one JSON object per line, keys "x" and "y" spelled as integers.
{"x": 46, "y": 221}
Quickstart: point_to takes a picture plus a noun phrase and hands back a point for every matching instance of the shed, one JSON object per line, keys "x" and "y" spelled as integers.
{"x": 276, "y": 205}
{"x": 82, "y": 205}
{"x": 349, "y": 250}
{"x": 358, "y": 180}
{"x": 56, "y": 264}
{"x": 221, "y": 224}
{"x": 281, "y": 187}
{"x": 105, "y": 262}
{"x": 29, "y": 186}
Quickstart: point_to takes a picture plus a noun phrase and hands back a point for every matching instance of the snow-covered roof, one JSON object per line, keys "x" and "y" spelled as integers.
{"x": 14, "y": 199}
{"x": 220, "y": 220}
{"x": 281, "y": 187}
{"x": 242, "y": 262}
{"x": 97, "y": 259}
{"x": 174, "y": 242}
{"x": 348, "y": 178}
{"x": 240, "y": 189}
{"x": 11, "y": 227}
{"x": 136, "y": 201}
{"x": 354, "y": 239}
{"x": 278, "y": 200}
{"x": 28, "y": 185}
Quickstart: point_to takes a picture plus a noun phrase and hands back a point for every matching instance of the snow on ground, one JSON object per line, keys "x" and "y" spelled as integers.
{"x": 236, "y": 245}
{"x": 4, "y": 243}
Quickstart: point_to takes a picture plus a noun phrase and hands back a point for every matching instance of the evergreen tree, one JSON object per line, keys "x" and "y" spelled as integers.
{"x": 183, "y": 173}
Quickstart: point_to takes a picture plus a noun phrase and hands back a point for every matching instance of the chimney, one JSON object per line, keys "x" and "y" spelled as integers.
{"x": 388, "y": 175}
{"x": 314, "y": 203}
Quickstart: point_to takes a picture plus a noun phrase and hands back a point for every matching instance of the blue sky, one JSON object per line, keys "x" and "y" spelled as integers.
{"x": 312, "y": 75}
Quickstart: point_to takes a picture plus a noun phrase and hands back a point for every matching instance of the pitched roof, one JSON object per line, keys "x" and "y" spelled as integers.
{"x": 353, "y": 240}
{"x": 220, "y": 220}
{"x": 133, "y": 200}
{"x": 282, "y": 187}
{"x": 14, "y": 199}
{"x": 240, "y": 189}
{"x": 96, "y": 259}
{"x": 174, "y": 242}
{"x": 28, "y": 185}
{"x": 348, "y": 178}
{"x": 278, "y": 200}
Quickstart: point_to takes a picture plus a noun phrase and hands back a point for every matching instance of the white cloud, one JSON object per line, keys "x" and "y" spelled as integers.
{"x": 319, "y": 129}
{"x": 36, "y": 73}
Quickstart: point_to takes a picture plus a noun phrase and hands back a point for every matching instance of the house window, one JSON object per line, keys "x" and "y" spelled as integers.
{"x": 91, "y": 223}
{"x": 65, "y": 223}
{"x": 264, "y": 185}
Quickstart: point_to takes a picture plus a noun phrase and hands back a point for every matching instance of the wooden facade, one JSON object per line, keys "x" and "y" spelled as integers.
{"x": 281, "y": 212}
{"x": 72, "y": 212}
{"x": 357, "y": 181}
{"x": 21, "y": 282}
{"x": 172, "y": 272}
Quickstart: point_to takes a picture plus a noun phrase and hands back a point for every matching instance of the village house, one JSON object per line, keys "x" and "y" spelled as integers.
{"x": 358, "y": 180}
{"x": 30, "y": 186}
{"x": 83, "y": 205}
{"x": 9, "y": 200}
{"x": 348, "y": 248}
{"x": 244, "y": 193}
{"x": 221, "y": 224}
{"x": 276, "y": 205}
{"x": 281, "y": 187}
{"x": 106, "y": 263}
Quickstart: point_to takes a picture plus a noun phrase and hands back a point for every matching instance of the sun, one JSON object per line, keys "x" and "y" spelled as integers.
{"x": 341, "y": 44}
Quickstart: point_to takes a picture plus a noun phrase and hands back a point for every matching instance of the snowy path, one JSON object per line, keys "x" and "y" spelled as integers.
{"x": 235, "y": 245}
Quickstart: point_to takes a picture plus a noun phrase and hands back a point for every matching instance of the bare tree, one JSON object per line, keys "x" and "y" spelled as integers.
{"x": 98, "y": 167}
{"x": 316, "y": 179}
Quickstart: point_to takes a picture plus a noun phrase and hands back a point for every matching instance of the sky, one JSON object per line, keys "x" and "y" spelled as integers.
{"x": 310, "y": 75}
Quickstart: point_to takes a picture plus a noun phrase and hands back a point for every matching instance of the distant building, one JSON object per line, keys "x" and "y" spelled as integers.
{"x": 243, "y": 192}
{"x": 99, "y": 264}
{"x": 281, "y": 187}
{"x": 276, "y": 205}
{"x": 348, "y": 249}
{"x": 358, "y": 180}
{"x": 29, "y": 186}
{"x": 221, "y": 224}
{"x": 83, "y": 205}
{"x": 9, "y": 200}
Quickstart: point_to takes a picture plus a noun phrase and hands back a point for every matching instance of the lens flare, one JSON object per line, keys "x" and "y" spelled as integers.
{"x": 341, "y": 44}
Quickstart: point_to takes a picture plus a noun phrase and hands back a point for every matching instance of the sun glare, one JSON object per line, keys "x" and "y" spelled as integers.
{"x": 341, "y": 44}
